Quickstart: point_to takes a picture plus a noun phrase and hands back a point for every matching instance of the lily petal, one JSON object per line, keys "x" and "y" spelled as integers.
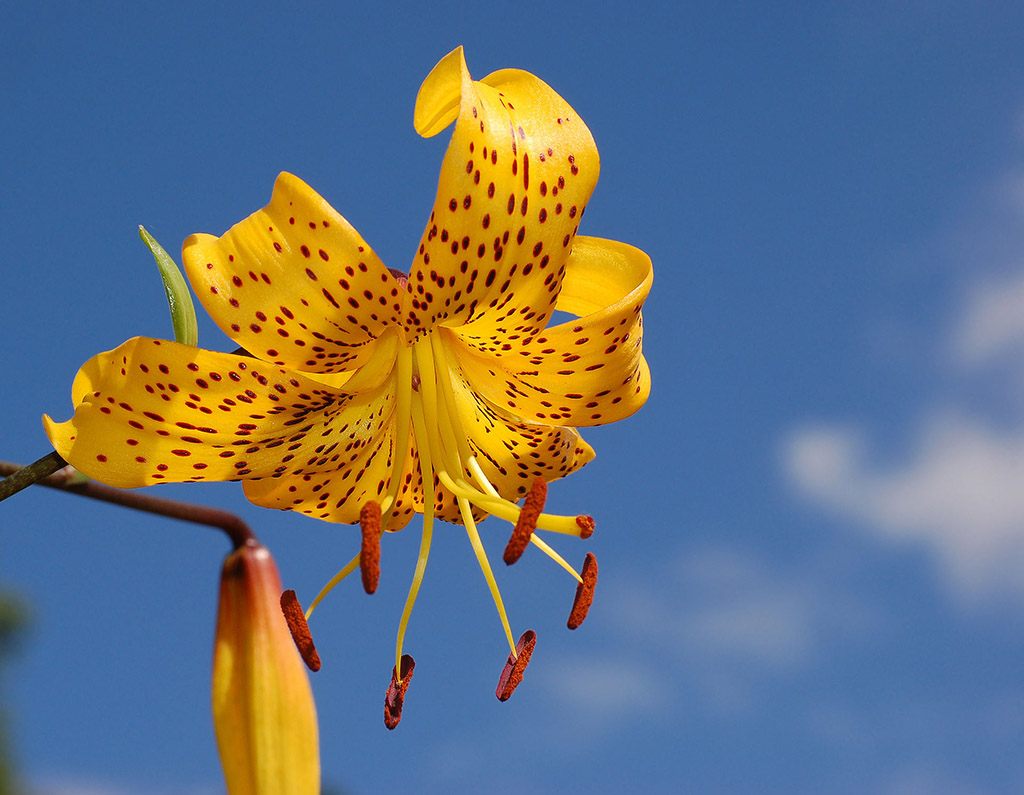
{"x": 295, "y": 284}
{"x": 155, "y": 411}
{"x": 517, "y": 175}
{"x": 580, "y": 373}
{"x": 347, "y": 477}
{"x": 513, "y": 452}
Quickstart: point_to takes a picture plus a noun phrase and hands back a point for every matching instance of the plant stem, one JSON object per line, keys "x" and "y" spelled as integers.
{"x": 68, "y": 479}
{"x": 23, "y": 477}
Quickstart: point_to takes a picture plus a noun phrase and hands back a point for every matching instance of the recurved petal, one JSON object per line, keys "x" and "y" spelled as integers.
{"x": 295, "y": 284}
{"x": 585, "y": 372}
{"x": 517, "y": 175}
{"x": 513, "y": 452}
{"x": 154, "y": 411}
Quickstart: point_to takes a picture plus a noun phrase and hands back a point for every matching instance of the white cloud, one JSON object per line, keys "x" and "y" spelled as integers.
{"x": 714, "y": 622}
{"x": 604, "y": 688}
{"x": 960, "y": 493}
{"x": 74, "y": 786}
{"x": 957, "y": 489}
{"x": 992, "y": 322}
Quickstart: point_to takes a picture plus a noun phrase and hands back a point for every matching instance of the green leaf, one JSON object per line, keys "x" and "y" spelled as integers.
{"x": 183, "y": 313}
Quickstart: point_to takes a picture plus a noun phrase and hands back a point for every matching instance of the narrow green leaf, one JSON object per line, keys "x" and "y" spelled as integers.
{"x": 183, "y": 313}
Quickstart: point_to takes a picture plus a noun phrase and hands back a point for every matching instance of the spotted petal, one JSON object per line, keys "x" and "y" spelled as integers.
{"x": 512, "y": 451}
{"x": 154, "y": 411}
{"x": 585, "y": 372}
{"x": 295, "y": 284}
{"x": 348, "y": 471}
{"x": 517, "y": 175}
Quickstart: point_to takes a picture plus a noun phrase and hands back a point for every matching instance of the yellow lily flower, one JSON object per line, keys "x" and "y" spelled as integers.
{"x": 263, "y": 708}
{"x": 365, "y": 383}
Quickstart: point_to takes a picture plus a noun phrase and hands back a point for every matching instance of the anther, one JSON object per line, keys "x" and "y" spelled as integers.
{"x": 297, "y": 625}
{"x": 533, "y": 505}
{"x": 512, "y": 674}
{"x": 584, "y": 592}
{"x": 586, "y": 526}
{"x": 395, "y": 696}
{"x": 369, "y": 554}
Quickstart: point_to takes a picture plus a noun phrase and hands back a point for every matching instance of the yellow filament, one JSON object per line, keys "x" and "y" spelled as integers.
{"x": 428, "y": 393}
{"x": 341, "y": 575}
{"x": 485, "y": 567}
{"x": 554, "y": 556}
{"x": 441, "y": 435}
{"x": 509, "y": 511}
{"x": 427, "y": 473}
{"x": 485, "y": 496}
{"x": 481, "y": 478}
{"x": 402, "y": 418}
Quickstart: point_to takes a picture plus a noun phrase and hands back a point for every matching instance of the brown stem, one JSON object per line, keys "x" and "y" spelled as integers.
{"x": 70, "y": 480}
{"x": 23, "y": 477}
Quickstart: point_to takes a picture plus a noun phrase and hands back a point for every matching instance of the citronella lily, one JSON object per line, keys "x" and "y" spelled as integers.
{"x": 364, "y": 383}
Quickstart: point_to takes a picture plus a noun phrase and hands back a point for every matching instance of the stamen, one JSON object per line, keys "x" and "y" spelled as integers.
{"x": 584, "y": 592}
{"x": 395, "y": 697}
{"x": 297, "y": 625}
{"x": 586, "y": 525}
{"x": 547, "y": 550}
{"x": 403, "y": 418}
{"x": 350, "y": 567}
{"x": 478, "y": 473}
{"x": 512, "y": 674}
{"x": 427, "y": 475}
{"x": 533, "y": 505}
{"x": 369, "y": 553}
{"x": 485, "y": 567}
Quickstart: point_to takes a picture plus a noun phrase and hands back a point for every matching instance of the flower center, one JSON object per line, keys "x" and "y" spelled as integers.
{"x": 426, "y": 405}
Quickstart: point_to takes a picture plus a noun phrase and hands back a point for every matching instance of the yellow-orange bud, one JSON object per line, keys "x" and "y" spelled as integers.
{"x": 263, "y": 709}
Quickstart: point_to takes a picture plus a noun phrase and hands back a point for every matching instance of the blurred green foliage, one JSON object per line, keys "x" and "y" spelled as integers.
{"x": 14, "y": 621}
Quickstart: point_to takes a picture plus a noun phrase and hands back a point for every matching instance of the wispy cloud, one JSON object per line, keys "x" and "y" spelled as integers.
{"x": 606, "y": 689}
{"x": 960, "y": 493}
{"x": 957, "y": 488}
{"x": 992, "y": 322}
{"x": 707, "y": 626}
{"x": 80, "y": 786}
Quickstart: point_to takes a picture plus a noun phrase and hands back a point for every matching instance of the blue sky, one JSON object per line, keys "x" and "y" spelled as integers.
{"x": 811, "y": 539}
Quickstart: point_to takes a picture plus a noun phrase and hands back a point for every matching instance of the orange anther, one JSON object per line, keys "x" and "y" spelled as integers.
{"x": 297, "y": 625}
{"x": 395, "y": 696}
{"x": 512, "y": 674}
{"x": 533, "y": 505}
{"x": 584, "y": 592}
{"x": 369, "y": 554}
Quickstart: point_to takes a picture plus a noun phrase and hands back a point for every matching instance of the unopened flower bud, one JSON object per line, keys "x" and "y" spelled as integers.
{"x": 263, "y": 709}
